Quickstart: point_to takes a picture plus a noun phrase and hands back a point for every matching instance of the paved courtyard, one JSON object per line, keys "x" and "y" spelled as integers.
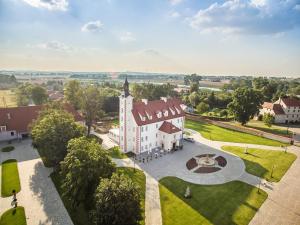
{"x": 38, "y": 194}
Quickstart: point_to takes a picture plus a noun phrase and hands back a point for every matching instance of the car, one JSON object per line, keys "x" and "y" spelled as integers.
{"x": 189, "y": 139}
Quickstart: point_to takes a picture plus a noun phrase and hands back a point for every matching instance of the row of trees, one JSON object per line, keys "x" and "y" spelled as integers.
{"x": 28, "y": 92}
{"x": 88, "y": 176}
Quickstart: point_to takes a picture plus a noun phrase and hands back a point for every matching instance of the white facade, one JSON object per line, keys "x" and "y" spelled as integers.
{"x": 284, "y": 110}
{"x": 150, "y": 133}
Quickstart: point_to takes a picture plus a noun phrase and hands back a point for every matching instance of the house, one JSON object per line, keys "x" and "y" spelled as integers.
{"x": 14, "y": 122}
{"x": 147, "y": 125}
{"x": 284, "y": 110}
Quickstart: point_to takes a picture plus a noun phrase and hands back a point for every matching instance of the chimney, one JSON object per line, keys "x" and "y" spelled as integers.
{"x": 145, "y": 101}
{"x": 164, "y": 99}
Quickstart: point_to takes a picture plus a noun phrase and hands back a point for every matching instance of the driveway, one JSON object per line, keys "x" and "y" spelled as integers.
{"x": 38, "y": 194}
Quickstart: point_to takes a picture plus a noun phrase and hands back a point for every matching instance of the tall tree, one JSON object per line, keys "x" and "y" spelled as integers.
{"x": 92, "y": 103}
{"x": 39, "y": 95}
{"x": 194, "y": 99}
{"x": 245, "y": 104}
{"x": 51, "y": 133}
{"x": 23, "y": 93}
{"x": 73, "y": 93}
{"x": 85, "y": 164}
{"x": 194, "y": 87}
{"x": 117, "y": 202}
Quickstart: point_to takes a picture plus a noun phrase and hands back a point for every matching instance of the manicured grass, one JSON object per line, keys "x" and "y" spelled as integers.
{"x": 216, "y": 133}
{"x": 7, "y": 148}
{"x": 80, "y": 216}
{"x": 230, "y": 203}
{"x": 259, "y": 125}
{"x": 140, "y": 179}
{"x": 10, "y": 178}
{"x": 13, "y": 217}
{"x": 259, "y": 162}
{"x": 116, "y": 153}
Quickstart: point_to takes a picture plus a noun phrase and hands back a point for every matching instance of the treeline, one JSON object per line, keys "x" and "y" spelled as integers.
{"x": 152, "y": 91}
{"x": 8, "y": 81}
{"x": 147, "y": 76}
{"x": 271, "y": 88}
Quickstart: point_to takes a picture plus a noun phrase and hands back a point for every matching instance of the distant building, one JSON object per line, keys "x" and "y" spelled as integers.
{"x": 55, "y": 95}
{"x": 14, "y": 121}
{"x": 147, "y": 125}
{"x": 285, "y": 110}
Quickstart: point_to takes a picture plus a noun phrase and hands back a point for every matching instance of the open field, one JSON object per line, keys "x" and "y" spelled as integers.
{"x": 230, "y": 203}
{"x": 9, "y": 178}
{"x": 13, "y": 217}
{"x": 260, "y": 162}
{"x": 216, "y": 133}
{"x": 80, "y": 216}
{"x": 7, "y": 98}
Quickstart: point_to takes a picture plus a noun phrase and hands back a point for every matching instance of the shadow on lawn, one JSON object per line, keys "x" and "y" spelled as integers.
{"x": 219, "y": 204}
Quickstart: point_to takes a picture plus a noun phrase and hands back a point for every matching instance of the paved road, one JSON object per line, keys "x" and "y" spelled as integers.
{"x": 38, "y": 194}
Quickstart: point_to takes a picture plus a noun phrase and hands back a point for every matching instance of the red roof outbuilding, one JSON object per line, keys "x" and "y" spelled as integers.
{"x": 19, "y": 118}
{"x": 169, "y": 128}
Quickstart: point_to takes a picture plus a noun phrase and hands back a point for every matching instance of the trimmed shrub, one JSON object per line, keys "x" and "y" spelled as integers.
{"x": 7, "y": 148}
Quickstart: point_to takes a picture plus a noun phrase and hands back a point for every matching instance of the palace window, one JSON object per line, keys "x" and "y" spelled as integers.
{"x": 3, "y": 128}
{"x": 146, "y": 138}
{"x": 142, "y": 129}
{"x": 142, "y": 139}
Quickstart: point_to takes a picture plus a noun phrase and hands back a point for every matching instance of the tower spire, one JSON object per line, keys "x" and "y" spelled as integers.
{"x": 126, "y": 87}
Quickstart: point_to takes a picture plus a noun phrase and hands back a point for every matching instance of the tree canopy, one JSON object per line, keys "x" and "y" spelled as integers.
{"x": 245, "y": 104}
{"x": 85, "y": 164}
{"x": 117, "y": 201}
{"x": 73, "y": 93}
{"x": 51, "y": 133}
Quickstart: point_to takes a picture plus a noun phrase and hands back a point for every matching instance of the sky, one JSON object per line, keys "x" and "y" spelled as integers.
{"x": 213, "y": 37}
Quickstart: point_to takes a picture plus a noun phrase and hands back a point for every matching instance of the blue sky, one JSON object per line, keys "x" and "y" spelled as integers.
{"x": 238, "y": 37}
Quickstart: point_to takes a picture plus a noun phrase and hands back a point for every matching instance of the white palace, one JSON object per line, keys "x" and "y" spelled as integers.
{"x": 147, "y": 125}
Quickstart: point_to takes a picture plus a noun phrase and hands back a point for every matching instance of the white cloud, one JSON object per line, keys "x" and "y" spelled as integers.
{"x": 61, "y": 5}
{"x": 247, "y": 17}
{"x": 127, "y": 37}
{"x": 92, "y": 26}
{"x": 54, "y": 45}
{"x": 174, "y": 14}
{"x": 175, "y": 2}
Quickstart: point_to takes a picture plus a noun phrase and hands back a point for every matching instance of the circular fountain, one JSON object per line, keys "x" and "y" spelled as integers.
{"x": 206, "y": 161}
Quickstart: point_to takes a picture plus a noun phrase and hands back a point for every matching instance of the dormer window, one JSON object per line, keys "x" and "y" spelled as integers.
{"x": 158, "y": 114}
{"x": 166, "y": 113}
{"x": 8, "y": 116}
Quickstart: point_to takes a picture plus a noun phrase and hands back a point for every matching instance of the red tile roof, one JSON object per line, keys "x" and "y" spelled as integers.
{"x": 169, "y": 128}
{"x": 150, "y": 111}
{"x": 18, "y": 118}
{"x": 277, "y": 108}
{"x": 291, "y": 102}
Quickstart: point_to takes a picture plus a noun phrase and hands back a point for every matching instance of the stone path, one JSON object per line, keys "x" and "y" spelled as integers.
{"x": 38, "y": 194}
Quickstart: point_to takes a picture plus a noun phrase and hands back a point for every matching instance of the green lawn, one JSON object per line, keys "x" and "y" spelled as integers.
{"x": 231, "y": 203}
{"x": 13, "y": 217}
{"x": 216, "y": 133}
{"x": 116, "y": 153}
{"x": 259, "y": 125}
{"x": 259, "y": 162}
{"x": 80, "y": 215}
{"x": 10, "y": 178}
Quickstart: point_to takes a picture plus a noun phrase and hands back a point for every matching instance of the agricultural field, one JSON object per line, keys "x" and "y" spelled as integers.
{"x": 7, "y": 98}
